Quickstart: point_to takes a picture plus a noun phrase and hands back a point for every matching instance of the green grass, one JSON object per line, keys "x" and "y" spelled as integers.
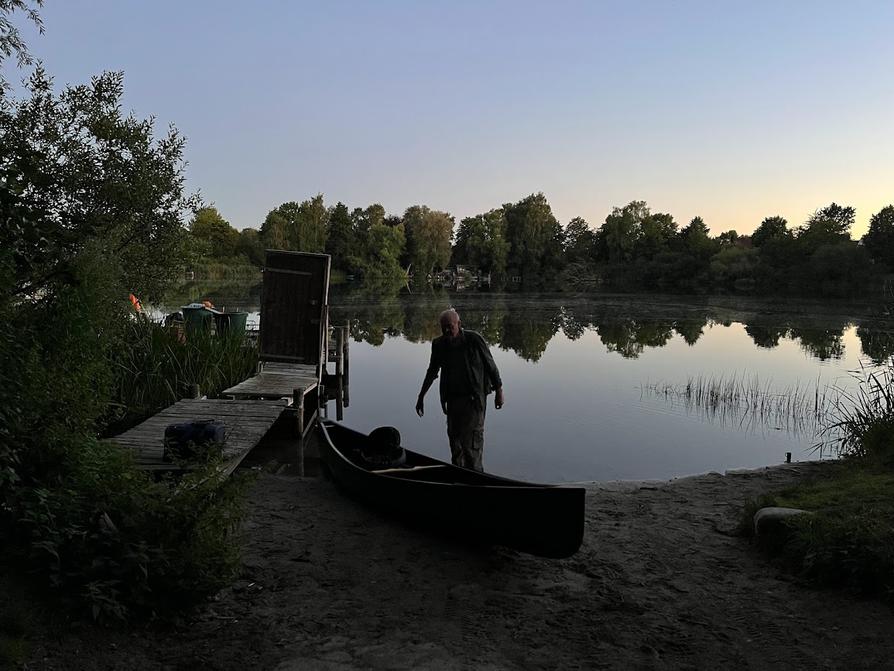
{"x": 847, "y": 490}
{"x": 848, "y": 539}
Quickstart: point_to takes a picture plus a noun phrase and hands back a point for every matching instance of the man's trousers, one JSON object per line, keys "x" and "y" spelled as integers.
{"x": 465, "y": 429}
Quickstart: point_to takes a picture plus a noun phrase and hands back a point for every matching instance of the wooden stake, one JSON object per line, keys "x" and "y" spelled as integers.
{"x": 346, "y": 342}
{"x": 339, "y": 373}
{"x": 298, "y": 404}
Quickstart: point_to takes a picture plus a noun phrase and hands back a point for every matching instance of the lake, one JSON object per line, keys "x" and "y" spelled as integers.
{"x": 594, "y": 385}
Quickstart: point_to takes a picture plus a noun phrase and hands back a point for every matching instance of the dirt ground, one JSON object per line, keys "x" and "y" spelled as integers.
{"x": 658, "y": 584}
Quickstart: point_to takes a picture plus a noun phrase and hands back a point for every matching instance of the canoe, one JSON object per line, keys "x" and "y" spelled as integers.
{"x": 543, "y": 520}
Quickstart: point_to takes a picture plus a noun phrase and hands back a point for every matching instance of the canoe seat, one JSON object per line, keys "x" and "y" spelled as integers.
{"x": 407, "y": 470}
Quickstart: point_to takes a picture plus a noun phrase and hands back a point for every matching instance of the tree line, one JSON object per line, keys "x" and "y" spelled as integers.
{"x": 523, "y": 245}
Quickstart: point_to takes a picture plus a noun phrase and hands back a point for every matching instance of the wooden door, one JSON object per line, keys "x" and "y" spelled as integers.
{"x": 294, "y": 307}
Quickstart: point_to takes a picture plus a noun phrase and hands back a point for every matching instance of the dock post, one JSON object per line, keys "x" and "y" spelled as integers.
{"x": 346, "y": 342}
{"x": 298, "y": 404}
{"x": 339, "y": 373}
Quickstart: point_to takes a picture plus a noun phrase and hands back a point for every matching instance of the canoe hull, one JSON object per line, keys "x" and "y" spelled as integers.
{"x": 543, "y": 520}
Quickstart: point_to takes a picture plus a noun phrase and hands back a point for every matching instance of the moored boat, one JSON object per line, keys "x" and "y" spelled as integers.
{"x": 544, "y": 520}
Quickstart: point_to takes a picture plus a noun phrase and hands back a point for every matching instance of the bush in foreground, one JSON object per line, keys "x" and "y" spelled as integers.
{"x": 76, "y": 516}
{"x": 124, "y": 544}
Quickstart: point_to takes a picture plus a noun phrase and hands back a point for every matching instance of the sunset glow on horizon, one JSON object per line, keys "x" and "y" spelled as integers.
{"x": 731, "y": 113}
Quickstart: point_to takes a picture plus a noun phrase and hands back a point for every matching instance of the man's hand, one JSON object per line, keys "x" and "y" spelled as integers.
{"x": 420, "y": 406}
{"x": 498, "y": 398}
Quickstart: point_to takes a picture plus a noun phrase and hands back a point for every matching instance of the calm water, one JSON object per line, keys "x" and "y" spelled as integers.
{"x": 577, "y": 374}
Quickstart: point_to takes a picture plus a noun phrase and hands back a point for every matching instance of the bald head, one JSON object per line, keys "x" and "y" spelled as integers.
{"x": 450, "y": 323}
{"x": 449, "y": 315}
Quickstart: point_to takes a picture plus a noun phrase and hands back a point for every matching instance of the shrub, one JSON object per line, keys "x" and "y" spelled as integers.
{"x": 124, "y": 544}
{"x": 74, "y": 512}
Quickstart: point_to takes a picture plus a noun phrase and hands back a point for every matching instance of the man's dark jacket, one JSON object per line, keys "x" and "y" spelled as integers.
{"x": 480, "y": 367}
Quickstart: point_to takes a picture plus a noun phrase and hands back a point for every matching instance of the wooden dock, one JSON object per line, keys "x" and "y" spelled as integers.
{"x": 246, "y": 423}
{"x": 276, "y": 380}
{"x": 293, "y": 338}
{"x": 294, "y": 348}
{"x": 298, "y": 385}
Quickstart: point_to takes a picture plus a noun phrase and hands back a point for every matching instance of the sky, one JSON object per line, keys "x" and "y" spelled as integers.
{"x": 729, "y": 111}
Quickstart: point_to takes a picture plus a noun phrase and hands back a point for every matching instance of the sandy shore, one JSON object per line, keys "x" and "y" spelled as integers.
{"x": 658, "y": 584}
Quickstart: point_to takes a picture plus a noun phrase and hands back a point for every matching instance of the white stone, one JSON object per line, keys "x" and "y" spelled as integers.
{"x": 769, "y": 519}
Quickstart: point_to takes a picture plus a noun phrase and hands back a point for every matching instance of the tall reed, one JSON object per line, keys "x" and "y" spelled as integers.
{"x": 747, "y": 402}
{"x": 861, "y": 422}
{"x": 156, "y": 366}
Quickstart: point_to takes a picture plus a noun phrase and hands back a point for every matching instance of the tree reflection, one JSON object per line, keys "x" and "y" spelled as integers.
{"x": 525, "y": 325}
{"x": 629, "y": 337}
{"x": 421, "y": 318}
{"x": 824, "y": 344}
{"x": 690, "y": 330}
{"x": 372, "y": 323}
{"x": 620, "y": 336}
{"x": 488, "y": 319}
{"x": 527, "y": 332}
{"x": 766, "y": 336}
{"x": 572, "y": 327}
{"x": 655, "y": 333}
{"x": 877, "y": 344}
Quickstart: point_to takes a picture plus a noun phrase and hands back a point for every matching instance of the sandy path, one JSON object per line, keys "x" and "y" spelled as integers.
{"x": 657, "y": 584}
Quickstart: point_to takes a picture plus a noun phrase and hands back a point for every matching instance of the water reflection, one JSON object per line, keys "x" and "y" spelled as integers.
{"x": 823, "y": 344}
{"x": 877, "y": 344}
{"x": 626, "y": 325}
{"x": 764, "y": 336}
{"x": 575, "y": 369}
{"x": 742, "y": 418}
{"x": 526, "y": 325}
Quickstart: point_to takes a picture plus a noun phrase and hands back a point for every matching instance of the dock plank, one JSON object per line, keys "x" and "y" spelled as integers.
{"x": 246, "y": 422}
{"x": 276, "y": 380}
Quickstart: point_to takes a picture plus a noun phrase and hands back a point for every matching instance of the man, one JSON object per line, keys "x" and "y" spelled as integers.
{"x": 468, "y": 374}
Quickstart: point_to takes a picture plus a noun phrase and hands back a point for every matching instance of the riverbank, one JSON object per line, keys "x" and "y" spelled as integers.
{"x": 659, "y": 583}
